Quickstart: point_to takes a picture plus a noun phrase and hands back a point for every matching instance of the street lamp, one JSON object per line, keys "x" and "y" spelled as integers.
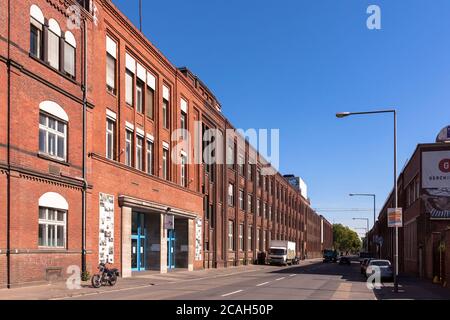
{"x": 346, "y": 114}
{"x": 367, "y": 234}
{"x": 374, "y": 202}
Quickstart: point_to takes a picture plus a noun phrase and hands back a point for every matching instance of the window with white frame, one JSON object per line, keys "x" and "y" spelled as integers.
{"x": 165, "y": 113}
{"x": 241, "y": 162}
{"x": 250, "y": 172}
{"x": 36, "y": 48}
{"x": 264, "y": 239}
{"x": 184, "y": 170}
{"x": 52, "y": 136}
{"x": 250, "y": 238}
{"x": 129, "y": 88}
{"x": 183, "y": 124}
{"x": 69, "y": 54}
{"x": 231, "y": 235}
{"x": 258, "y": 231}
{"x": 52, "y": 228}
{"x": 110, "y": 137}
{"x": 150, "y": 157}
{"x": 165, "y": 163}
{"x": 139, "y": 95}
{"x": 241, "y": 237}
{"x": 249, "y": 203}
{"x": 139, "y": 152}
{"x": 231, "y": 195}
{"x": 258, "y": 207}
{"x": 150, "y": 102}
{"x": 111, "y": 62}
{"x": 128, "y": 148}
{"x": 53, "y": 44}
{"x": 241, "y": 199}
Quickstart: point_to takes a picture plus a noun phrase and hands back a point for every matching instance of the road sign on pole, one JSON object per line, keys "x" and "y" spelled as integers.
{"x": 395, "y": 217}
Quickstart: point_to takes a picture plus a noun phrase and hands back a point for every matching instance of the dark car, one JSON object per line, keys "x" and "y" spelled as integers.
{"x": 364, "y": 265}
{"x": 330, "y": 256}
{"x": 345, "y": 261}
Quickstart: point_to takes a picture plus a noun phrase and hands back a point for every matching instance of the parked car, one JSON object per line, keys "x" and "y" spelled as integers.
{"x": 363, "y": 256}
{"x": 330, "y": 256}
{"x": 345, "y": 261}
{"x": 384, "y": 267}
{"x": 364, "y": 264}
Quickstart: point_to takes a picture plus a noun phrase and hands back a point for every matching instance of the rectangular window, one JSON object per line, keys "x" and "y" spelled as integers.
{"x": 139, "y": 95}
{"x": 258, "y": 231}
{"x": 139, "y": 153}
{"x": 241, "y": 237}
{"x": 111, "y": 73}
{"x": 52, "y": 137}
{"x": 150, "y": 102}
{"x": 250, "y": 173}
{"x": 110, "y": 134}
{"x": 241, "y": 199}
{"x": 258, "y": 207}
{"x": 53, "y": 49}
{"x": 36, "y": 38}
{"x": 241, "y": 162}
{"x": 150, "y": 157}
{"x": 250, "y": 238}
{"x": 183, "y": 170}
{"x": 249, "y": 203}
{"x": 264, "y": 240}
{"x": 129, "y": 88}
{"x": 258, "y": 177}
{"x": 230, "y": 155}
{"x": 128, "y": 148}
{"x": 183, "y": 124}
{"x": 231, "y": 195}
{"x": 165, "y": 164}
{"x": 264, "y": 210}
{"x": 52, "y": 228}
{"x": 165, "y": 114}
{"x": 231, "y": 235}
{"x": 69, "y": 60}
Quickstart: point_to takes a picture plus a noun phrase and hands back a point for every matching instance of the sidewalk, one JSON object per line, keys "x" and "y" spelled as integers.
{"x": 59, "y": 290}
{"x": 412, "y": 288}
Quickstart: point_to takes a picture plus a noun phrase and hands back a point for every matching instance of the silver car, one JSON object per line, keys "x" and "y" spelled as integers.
{"x": 384, "y": 266}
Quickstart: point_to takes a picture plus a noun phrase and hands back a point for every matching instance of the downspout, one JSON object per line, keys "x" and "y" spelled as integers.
{"x": 8, "y": 208}
{"x": 85, "y": 184}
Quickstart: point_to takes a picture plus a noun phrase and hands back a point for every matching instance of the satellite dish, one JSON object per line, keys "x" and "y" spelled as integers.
{"x": 444, "y": 135}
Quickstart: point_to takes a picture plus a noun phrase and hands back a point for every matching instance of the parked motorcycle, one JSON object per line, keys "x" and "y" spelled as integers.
{"x": 105, "y": 276}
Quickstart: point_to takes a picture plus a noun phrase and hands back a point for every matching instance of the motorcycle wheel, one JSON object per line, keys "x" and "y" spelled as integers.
{"x": 113, "y": 280}
{"x": 96, "y": 281}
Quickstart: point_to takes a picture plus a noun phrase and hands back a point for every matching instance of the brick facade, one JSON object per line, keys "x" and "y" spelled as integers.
{"x": 26, "y": 174}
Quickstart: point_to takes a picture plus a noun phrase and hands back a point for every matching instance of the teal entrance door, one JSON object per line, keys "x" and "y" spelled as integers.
{"x": 138, "y": 236}
{"x": 170, "y": 249}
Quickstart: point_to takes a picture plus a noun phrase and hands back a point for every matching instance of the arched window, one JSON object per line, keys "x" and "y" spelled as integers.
{"x": 54, "y": 35}
{"x": 52, "y": 221}
{"x": 69, "y": 54}
{"x": 53, "y": 130}
{"x": 36, "y": 28}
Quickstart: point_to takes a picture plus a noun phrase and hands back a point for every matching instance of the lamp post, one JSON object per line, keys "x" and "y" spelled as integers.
{"x": 367, "y": 234}
{"x": 346, "y": 114}
{"x": 374, "y": 207}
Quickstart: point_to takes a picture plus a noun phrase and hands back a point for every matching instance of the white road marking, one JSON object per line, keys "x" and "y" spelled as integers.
{"x": 292, "y": 275}
{"x": 229, "y": 294}
{"x": 261, "y": 284}
{"x": 280, "y": 279}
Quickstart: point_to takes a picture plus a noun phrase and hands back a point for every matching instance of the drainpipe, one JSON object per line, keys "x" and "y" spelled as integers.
{"x": 85, "y": 184}
{"x": 8, "y": 208}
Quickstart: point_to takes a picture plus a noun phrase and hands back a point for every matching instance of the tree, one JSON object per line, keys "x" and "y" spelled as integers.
{"x": 345, "y": 239}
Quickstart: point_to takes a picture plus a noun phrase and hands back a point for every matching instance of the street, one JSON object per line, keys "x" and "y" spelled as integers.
{"x": 308, "y": 281}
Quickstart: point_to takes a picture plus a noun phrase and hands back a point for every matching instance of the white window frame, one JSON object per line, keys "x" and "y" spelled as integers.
{"x": 139, "y": 153}
{"x": 183, "y": 170}
{"x": 110, "y": 135}
{"x": 165, "y": 163}
{"x": 230, "y": 195}
{"x": 139, "y": 95}
{"x": 249, "y": 238}
{"x": 55, "y": 223}
{"x": 230, "y": 235}
{"x": 128, "y": 147}
{"x": 129, "y": 92}
{"x": 241, "y": 200}
{"x": 53, "y": 37}
{"x": 149, "y": 152}
{"x": 50, "y": 131}
{"x": 241, "y": 237}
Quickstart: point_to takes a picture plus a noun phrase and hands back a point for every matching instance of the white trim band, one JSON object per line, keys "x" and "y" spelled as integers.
{"x": 130, "y": 63}
{"x": 70, "y": 39}
{"x": 183, "y": 105}
{"x": 140, "y": 132}
{"x": 165, "y": 145}
{"x": 54, "y": 109}
{"x": 111, "y": 47}
{"x": 151, "y": 81}
{"x": 166, "y": 93}
{"x": 141, "y": 72}
{"x": 150, "y": 137}
{"x": 111, "y": 115}
{"x": 129, "y": 126}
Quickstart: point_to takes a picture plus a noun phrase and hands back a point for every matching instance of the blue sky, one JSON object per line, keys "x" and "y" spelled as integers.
{"x": 293, "y": 64}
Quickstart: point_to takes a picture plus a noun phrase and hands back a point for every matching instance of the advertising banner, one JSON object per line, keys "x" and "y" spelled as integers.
{"x": 436, "y": 183}
{"x": 169, "y": 222}
{"x": 106, "y": 229}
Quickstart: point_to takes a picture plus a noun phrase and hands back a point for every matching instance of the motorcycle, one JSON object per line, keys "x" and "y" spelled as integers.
{"x": 105, "y": 276}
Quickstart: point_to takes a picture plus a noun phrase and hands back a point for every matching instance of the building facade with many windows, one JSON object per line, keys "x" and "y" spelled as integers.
{"x": 95, "y": 164}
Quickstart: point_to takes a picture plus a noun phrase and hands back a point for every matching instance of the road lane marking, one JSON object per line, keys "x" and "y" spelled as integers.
{"x": 280, "y": 279}
{"x": 292, "y": 275}
{"x": 261, "y": 284}
{"x": 229, "y": 294}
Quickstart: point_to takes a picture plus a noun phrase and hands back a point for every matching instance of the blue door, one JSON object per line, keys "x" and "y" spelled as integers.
{"x": 138, "y": 235}
{"x": 170, "y": 249}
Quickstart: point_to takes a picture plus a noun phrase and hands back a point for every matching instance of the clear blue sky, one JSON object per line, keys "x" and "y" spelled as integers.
{"x": 293, "y": 64}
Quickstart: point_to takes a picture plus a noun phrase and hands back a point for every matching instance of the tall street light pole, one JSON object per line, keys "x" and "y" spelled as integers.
{"x": 346, "y": 114}
{"x": 374, "y": 202}
{"x": 367, "y": 234}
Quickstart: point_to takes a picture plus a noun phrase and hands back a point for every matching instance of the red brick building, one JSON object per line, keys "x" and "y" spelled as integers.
{"x": 90, "y": 169}
{"x": 423, "y": 193}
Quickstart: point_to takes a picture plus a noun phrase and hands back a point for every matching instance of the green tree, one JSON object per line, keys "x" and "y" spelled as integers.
{"x": 345, "y": 239}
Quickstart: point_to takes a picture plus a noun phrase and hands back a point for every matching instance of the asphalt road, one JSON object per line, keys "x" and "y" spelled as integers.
{"x": 319, "y": 281}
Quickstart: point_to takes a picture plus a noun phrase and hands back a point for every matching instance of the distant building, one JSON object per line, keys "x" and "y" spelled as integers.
{"x": 297, "y": 183}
